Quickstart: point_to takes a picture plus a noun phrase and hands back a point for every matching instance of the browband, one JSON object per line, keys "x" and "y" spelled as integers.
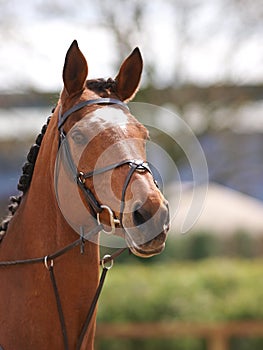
{"x": 100, "y": 101}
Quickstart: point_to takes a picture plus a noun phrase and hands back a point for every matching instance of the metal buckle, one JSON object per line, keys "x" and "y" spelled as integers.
{"x": 81, "y": 177}
{"x": 113, "y": 221}
{"x": 49, "y": 263}
{"x": 107, "y": 259}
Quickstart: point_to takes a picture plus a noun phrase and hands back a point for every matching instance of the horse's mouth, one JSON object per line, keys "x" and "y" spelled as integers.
{"x": 146, "y": 234}
{"x": 143, "y": 253}
{"x": 149, "y": 249}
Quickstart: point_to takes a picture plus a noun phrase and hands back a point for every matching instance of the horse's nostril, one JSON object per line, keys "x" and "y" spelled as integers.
{"x": 140, "y": 216}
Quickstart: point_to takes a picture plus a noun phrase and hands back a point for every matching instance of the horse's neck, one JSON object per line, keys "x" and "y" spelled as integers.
{"x": 38, "y": 220}
{"x": 38, "y": 226}
{"x": 39, "y": 229}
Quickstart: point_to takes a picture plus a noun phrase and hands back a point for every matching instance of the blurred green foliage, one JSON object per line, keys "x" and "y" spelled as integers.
{"x": 202, "y": 245}
{"x": 210, "y": 290}
{"x": 156, "y": 344}
{"x": 204, "y": 291}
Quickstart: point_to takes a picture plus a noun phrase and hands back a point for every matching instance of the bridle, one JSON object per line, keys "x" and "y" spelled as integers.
{"x": 80, "y": 177}
{"x": 136, "y": 165}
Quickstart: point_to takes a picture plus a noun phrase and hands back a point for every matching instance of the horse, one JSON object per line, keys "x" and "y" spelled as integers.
{"x": 47, "y": 283}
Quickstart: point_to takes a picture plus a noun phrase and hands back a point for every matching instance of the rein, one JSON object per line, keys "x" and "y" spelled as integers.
{"x": 96, "y": 208}
{"x": 106, "y": 262}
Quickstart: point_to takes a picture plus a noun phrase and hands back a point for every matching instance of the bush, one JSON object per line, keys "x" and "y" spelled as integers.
{"x": 167, "y": 344}
{"x": 210, "y": 290}
{"x": 202, "y": 245}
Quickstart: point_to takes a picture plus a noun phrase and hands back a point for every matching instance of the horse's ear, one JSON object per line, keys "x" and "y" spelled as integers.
{"x": 129, "y": 75}
{"x": 75, "y": 70}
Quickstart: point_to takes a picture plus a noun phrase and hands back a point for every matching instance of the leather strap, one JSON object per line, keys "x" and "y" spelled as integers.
{"x": 99, "y": 101}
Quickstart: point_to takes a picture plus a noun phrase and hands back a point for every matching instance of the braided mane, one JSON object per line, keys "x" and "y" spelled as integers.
{"x": 102, "y": 87}
{"x": 24, "y": 181}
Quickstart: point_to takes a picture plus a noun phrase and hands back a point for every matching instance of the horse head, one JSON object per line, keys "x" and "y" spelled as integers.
{"x": 115, "y": 181}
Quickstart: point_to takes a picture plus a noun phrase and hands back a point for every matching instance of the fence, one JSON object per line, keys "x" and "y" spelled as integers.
{"x": 217, "y": 335}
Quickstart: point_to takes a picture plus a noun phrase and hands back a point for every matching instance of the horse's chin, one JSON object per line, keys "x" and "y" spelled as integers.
{"x": 149, "y": 249}
{"x": 144, "y": 253}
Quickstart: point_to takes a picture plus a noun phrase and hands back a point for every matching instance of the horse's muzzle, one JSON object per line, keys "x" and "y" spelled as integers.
{"x": 148, "y": 235}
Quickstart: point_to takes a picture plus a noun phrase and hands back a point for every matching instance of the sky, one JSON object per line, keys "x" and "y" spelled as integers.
{"x": 196, "y": 43}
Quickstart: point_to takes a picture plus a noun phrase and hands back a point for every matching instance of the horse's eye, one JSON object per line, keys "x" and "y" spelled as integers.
{"x": 78, "y": 137}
